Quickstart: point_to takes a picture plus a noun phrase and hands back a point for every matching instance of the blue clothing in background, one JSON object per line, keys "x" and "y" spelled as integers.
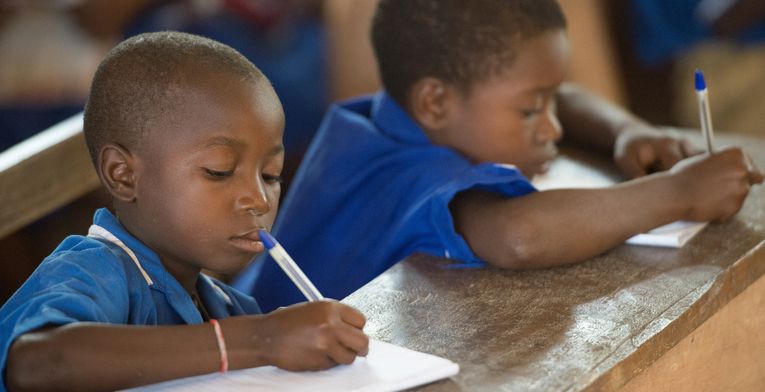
{"x": 662, "y": 29}
{"x": 87, "y": 279}
{"x": 371, "y": 190}
{"x": 293, "y": 59}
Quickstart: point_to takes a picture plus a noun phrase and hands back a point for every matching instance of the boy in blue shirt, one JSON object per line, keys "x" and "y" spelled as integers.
{"x": 440, "y": 162}
{"x": 186, "y": 135}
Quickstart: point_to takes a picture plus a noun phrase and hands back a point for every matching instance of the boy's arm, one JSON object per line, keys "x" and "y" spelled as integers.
{"x": 636, "y": 147}
{"x": 88, "y": 356}
{"x": 564, "y": 226}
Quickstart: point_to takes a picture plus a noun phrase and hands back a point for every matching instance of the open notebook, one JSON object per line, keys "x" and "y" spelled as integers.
{"x": 566, "y": 173}
{"x": 387, "y": 367}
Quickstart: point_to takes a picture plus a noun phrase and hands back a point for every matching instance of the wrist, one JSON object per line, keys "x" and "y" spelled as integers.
{"x": 246, "y": 342}
{"x": 677, "y": 199}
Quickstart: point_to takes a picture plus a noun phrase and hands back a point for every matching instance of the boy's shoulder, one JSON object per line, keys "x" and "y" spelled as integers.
{"x": 79, "y": 256}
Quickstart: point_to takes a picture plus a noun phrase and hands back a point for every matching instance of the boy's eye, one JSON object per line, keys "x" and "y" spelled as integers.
{"x": 217, "y": 174}
{"x": 272, "y": 179}
{"x": 530, "y": 112}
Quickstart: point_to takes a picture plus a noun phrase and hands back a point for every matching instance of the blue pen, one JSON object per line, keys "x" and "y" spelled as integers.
{"x": 704, "y": 115}
{"x": 290, "y": 268}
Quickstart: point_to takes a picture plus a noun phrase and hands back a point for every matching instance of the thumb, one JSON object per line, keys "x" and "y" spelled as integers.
{"x": 755, "y": 175}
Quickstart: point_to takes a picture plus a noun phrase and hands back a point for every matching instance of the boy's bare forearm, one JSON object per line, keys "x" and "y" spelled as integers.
{"x": 87, "y": 356}
{"x": 564, "y": 226}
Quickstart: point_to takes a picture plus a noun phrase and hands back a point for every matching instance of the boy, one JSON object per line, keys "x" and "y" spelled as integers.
{"x": 440, "y": 162}
{"x": 186, "y": 135}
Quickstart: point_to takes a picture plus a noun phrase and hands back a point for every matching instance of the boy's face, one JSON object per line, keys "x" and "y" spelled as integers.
{"x": 211, "y": 179}
{"x": 511, "y": 117}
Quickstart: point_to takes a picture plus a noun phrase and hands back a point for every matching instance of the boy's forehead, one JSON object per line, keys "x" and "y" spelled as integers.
{"x": 223, "y": 114}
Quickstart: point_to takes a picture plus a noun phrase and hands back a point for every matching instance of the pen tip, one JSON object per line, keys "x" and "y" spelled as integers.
{"x": 268, "y": 241}
{"x": 701, "y": 84}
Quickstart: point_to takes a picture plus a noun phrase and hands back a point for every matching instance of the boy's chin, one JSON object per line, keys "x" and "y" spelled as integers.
{"x": 544, "y": 168}
{"x": 531, "y": 172}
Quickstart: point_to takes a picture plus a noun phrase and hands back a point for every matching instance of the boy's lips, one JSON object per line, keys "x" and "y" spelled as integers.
{"x": 249, "y": 242}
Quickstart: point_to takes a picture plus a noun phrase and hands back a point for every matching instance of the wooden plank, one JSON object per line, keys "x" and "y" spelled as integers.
{"x": 44, "y": 173}
{"x": 723, "y": 354}
{"x": 590, "y": 326}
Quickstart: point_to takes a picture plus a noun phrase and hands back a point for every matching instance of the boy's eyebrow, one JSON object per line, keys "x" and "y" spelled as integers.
{"x": 222, "y": 141}
{"x": 544, "y": 89}
{"x": 277, "y": 149}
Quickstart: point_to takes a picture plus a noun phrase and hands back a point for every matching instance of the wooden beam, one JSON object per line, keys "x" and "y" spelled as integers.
{"x": 44, "y": 173}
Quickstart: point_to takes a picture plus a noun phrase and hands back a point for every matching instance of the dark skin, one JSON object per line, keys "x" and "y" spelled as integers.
{"x": 197, "y": 204}
{"x": 742, "y": 15}
{"x": 513, "y": 118}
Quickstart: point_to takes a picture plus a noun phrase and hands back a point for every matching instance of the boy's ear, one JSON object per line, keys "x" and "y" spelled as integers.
{"x": 117, "y": 169}
{"x": 429, "y": 101}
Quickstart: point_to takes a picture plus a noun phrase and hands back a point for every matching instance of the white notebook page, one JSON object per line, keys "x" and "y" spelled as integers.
{"x": 387, "y": 367}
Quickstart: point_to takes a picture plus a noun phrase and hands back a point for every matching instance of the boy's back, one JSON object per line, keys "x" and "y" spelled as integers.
{"x": 372, "y": 190}
{"x": 437, "y": 164}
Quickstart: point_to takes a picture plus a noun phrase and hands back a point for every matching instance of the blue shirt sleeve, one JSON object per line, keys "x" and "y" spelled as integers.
{"x": 502, "y": 179}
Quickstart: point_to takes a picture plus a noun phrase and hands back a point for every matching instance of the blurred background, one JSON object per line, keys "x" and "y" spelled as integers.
{"x": 638, "y": 53}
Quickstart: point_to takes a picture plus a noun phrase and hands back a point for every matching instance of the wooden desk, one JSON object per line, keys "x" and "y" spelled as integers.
{"x": 655, "y": 316}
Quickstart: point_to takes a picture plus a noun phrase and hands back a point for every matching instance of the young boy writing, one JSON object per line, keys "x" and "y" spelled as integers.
{"x": 440, "y": 162}
{"x": 186, "y": 135}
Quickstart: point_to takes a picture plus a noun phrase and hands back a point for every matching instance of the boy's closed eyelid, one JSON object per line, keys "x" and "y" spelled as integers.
{"x": 217, "y": 174}
{"x": 273, "y": 179}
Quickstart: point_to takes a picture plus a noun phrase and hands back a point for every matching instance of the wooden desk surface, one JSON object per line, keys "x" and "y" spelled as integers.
{"x": 594, "y": 325}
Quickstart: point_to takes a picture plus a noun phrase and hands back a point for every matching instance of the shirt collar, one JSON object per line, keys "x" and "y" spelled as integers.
{"x": 393, "y": 121}
{"x": 213, "y": 296}
{"x": 148, "y": 258}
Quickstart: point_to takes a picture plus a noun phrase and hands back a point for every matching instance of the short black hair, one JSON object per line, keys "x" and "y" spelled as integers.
{"x": 141, "y": 81}
{"x": 458, "y": 41}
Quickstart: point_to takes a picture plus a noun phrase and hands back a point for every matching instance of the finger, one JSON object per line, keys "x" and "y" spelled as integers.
{"x": 631, "y": 169}
{"x": 325, "y": 363}
{"x": 669, "y": 155}
{"x": 352, "y": 316}
{"x": 755, "y": 175}
{"x": 646, "y": 155}
{"x": 341, "y": 354}
{"x": 637, "y": 164}
{"x": 354, "y": 340}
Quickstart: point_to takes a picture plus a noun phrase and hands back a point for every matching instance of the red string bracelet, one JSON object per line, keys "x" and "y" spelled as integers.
{"x": 221, "y": 346}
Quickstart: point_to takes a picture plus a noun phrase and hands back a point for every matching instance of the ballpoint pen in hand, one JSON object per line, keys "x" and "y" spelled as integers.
{"x": 704, "y": 115}
{"x": 290, "y": 268}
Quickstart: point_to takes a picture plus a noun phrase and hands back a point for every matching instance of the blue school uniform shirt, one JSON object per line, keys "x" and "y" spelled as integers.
{"x": 371, "y": 190}
{"x": 663, "y": 29}
{"x": 94, "y": 280}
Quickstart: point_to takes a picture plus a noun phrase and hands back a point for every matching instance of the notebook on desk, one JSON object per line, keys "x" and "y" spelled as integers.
{"x": 387, "y": 367}
{"x": 565, "y": 173}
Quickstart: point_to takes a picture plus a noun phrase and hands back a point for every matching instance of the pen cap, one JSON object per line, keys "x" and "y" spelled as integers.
{"x": 268, "y": 241}
{"x": 701, "y": 84}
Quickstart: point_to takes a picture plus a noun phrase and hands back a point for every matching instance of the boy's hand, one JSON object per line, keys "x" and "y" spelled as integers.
{"x": 641, "y": 149}
{"x": 715, "y": 186}
{"x": 314, "y": 336}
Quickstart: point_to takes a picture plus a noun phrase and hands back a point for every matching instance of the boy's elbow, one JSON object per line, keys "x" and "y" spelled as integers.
{"x": 517, "y": 252}
{"x": 25, "y": 365}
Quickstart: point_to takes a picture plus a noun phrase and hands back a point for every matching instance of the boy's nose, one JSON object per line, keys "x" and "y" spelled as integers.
{"x": 254, "y": 201}
{"x": 550, "y": 128}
